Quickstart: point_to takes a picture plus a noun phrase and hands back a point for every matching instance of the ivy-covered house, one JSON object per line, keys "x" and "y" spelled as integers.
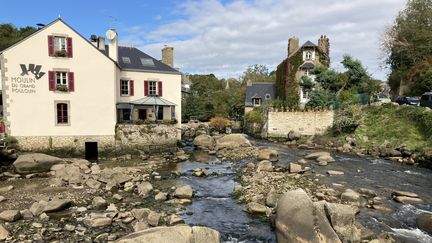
{"x": 298, "y": 64}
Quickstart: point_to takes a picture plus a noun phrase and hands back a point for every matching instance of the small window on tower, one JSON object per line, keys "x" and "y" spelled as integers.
{"x": 308, "y": 56}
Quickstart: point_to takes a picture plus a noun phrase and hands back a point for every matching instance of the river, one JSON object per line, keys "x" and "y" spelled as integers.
{"x": 214, "y": 207}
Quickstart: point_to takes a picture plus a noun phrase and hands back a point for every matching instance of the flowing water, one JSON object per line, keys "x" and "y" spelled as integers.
{"x": 214, "y": 207}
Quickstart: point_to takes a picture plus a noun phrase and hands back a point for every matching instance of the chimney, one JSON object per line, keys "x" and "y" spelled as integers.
{"x": 112, "y": 44}
{"x": 94, "y": 40}
{"x": 293, "y": 45}
{"x": 168, "y": 56}
{"x": 324, "y": 45}
{"x": 101, "y": 43}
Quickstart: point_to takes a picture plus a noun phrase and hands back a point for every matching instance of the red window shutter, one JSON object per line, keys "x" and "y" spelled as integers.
{"x": 51, "y": 45}
{"x": 131, "y": 86}
{"x": 160, "y": 88}
{"x": 51, "y": 80}
{"x": 146, "y": 88}
{"x": 71, "y": 82}
{"x": 69, "y": 47}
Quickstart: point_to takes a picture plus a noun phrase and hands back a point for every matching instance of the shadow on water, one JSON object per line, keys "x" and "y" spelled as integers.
{"x": 212, "y": 205}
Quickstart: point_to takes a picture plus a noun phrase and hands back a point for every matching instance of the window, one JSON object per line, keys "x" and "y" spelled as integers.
{"x": 124, "y": 88}
{"x": 126, "y": 60}
{"x": 305, "y": 94}
{"x": 59, "y": 43}
{"x": 126, "y": 113}
{"x": 267, "y": 96}
{"x": 61, "y": 78}
{"x": 308, "y": 55}
{"x": 153, "y": 88}
{"x": 307, "y": 72}
{"x": 62, "y": 113}
{"x": 256, "y": 101}
{"x": 147, "y": 61}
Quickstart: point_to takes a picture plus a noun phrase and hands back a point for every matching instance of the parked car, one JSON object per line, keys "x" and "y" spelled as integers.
{"x": 426, "y": 100}
{"x": 382, "y": 99}
{"x": 406, "y": 100}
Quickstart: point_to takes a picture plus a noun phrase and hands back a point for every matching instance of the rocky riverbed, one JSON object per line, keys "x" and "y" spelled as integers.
{"x": 230, "y": 184}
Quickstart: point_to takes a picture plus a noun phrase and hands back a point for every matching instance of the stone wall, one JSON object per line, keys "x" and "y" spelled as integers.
{"x": 279, "y": 124}
{"x": 147, "y": 134}
{"x": 29, "y": 143}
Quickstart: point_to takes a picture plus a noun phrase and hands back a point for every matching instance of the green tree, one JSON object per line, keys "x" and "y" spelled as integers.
{"x": 258, "y": 73}
{"x": 10, "y": 35}
{"x": 408, "y": 47}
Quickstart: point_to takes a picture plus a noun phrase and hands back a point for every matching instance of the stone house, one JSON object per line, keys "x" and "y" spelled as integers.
{"x": 299, "y": 62}
{"x": 257, "y": 93}
{"x": 61, "y": 89}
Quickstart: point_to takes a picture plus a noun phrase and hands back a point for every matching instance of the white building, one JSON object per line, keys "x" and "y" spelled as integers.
{"x": 60, "y": 89}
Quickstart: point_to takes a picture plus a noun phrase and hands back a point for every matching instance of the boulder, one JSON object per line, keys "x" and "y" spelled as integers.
{"x": 325, "y": 158}
{"x": 161, "y": 196}
{"x": 408, "y": 200}
{"x": 144, "y": 189}
{"x": 316, "y": 155}
{"x": 175, "y": 219}
{"x": 265, "y": 165}
{"x": 294, "y": 168}
{"x": 369, "y": 193}
{"x": 3, "y": 233}
{"x": 178, "y": 234}
{"x": 424, "y": 222}
{"x": 35, "y": 163}
{"x": 57, "y": 205}
{"x": 404, "y": 194}
{"x": 140, "y": 225}
{"x": 10, "y": 215}
{"x": 342, "y": 218}
{"x": 153, "y": 218}
{"x": 99, "y": 203}
{"x": 140, "y": 213}
{"x": 268, "y": 154}
{"x": 184, "y": 192}
{"x": 97, "y": 220}
{"x": 351, "y": 196}
{"x": 297, "y": 219}
{"x": 233, "y": 141}
{"x": 93, "y": 184}
{"x": 37, "y": 208}
{"x": 204, "y": 141}
{"x": 69, "y": 173}
{"x": 335, "y": 172}
{"x": 272, "y": 198}
{"x": 294, "y": 135}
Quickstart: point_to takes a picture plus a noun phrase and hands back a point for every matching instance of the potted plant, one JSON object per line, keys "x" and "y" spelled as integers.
{"x": 61, "y": 53}
{"x": 62, "y": 88}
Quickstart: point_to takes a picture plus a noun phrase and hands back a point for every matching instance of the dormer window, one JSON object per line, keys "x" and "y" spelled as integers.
{"x": 256, "y": 101}
{"x": 147, "y": 61}
{"x": 308, "y": 56}
{"x": 126, "y": 60}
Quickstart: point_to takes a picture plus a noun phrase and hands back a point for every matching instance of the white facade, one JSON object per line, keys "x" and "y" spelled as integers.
{"x": 39, "y": 113}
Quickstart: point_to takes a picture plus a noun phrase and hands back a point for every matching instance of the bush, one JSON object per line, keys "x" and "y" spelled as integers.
{"x": 11, "y": 142}
{"x": 219, "y": 123}
{"x": 320, "y": 99}
{"x": 254, "y": 117}
{"x": 347, "y": 120}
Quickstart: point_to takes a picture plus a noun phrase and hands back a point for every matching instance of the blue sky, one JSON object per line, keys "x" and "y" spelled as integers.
{"x": 224, "y": 37}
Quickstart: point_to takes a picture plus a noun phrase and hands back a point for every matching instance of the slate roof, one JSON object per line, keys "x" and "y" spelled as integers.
{"x": 259, "y": 90}
{"x": 308, "y": 44}
{"x": 135, "y": 55}
{"x": 307, "y": 65}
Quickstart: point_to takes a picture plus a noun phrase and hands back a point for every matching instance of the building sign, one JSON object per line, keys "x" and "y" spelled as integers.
{"x": 26, "y": 83}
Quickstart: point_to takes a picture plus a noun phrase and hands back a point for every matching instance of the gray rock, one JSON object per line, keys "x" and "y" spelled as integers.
{"x": 140, "y": 225}
{"x": 97, "y": 220}
{"x": 57, "y": 205}
{"x": 153, "y": 218}
{"x": 174, "y": 219}
{"x": 424, "y": 222}
{"x": 404, "y": 194}
{"x": 254, "y": 207}
{"x": 3, "y": 233}
{"x": 26, "y": 214}
{"x": 185, "y": 192}
{"x": 294, "y": 135}
{"x": 231, "y": 141}
{"x": 294, "y": 168}
{"x": 144, "y": 189}
{"x": 325, "y": 158}
{"x": 178, "y": 234}
{"x": 352, "y": 196}
{"x": 265, "y": 165}
{"x": 129, "y": 186}
{"x": 268, "y": 154}
{"x": 297, "y": 219}
{"x": 99, "y": 203}
{"x": 93, "y": 184}
{"x": 35, "y": 163}
{"x": 335, "y": 172}
{"x": 316, "y": 155}
{"x": 140, "y": 213}
{"x": 369, "y": 193}
{"x": 272, "y": 198}
{"x": 69, "y": 227}
{"x": 70, "y": 173}
{"x": 2, "y": 199}
{"x": 10, "y": 215}
{"x": 204, "y": 141}
{"x": 161, "y": 196}
{"x": 117, "y": 197}
{"x": 37, "y": 208}
{"x": 342, "y": 218}
{"x": 408, "y": 200}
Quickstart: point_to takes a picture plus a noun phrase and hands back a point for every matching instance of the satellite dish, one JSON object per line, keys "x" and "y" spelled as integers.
{"x": 111, "y": 34}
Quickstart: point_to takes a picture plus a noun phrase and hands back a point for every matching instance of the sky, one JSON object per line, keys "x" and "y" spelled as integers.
{"x": 224, "y": 37}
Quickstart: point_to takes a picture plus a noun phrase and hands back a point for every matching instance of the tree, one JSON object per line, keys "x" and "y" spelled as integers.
{"x": 408, "y": 47}
{"x": 257, "y": 73}
{"x": 10, "y": 35}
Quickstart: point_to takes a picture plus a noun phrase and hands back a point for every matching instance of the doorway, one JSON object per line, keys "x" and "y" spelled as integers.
{"x": 142, "y": 114}
{"x": 160, "y": 113}
{"x": 91, "y": 151}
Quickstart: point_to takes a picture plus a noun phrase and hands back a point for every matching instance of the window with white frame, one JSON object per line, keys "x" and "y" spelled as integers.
{"x": 124, "y": 88}
{"x": 62, "y": 110}
{"x": 308, "y": 56}
{"x": 256, "y": 101}
{"x": 61, "y": 79}
{"x": 153, "y": 88}
{"x": 59, "y": 43}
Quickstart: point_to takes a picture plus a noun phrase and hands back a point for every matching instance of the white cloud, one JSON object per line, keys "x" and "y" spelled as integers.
{"x": 211, "y": 37}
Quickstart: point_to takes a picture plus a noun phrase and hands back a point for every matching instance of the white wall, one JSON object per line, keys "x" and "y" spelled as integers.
{"x": 92, "y": 104}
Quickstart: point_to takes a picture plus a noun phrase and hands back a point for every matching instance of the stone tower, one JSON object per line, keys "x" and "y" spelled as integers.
{"x": 324, "y": 45}
{"x": 293, "y": 45}
{"x": 168, "y": 56}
